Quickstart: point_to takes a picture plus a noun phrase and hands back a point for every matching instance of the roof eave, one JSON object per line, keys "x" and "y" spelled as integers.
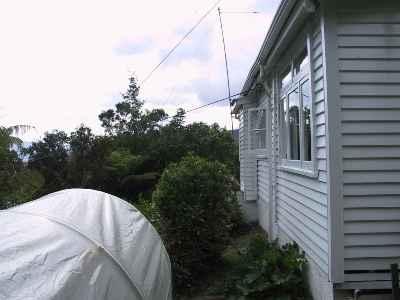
{"x": 276, "y": 26}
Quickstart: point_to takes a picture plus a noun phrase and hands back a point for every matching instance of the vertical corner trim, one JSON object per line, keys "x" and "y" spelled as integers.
{"x": 334, "y": 142}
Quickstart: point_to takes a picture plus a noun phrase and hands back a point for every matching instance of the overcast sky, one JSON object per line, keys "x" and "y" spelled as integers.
{"x": 63, "y": 62}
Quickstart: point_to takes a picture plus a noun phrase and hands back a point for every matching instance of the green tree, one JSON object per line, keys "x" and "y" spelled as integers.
{"x": 50, "y": 158}
{"x": 212, "y": 142}
{"x": 81, "y": 144}
{"x": 198, "y": 211}
{"x": 169, "y": 146}
{"x": 175, "y": 140}
{"x": 97, "y": 174}
{"x": 139, "y": 144}
{"x": 17, "y": 183}
{"x": 9, "y": 165}
{"x": 128, "y": 116}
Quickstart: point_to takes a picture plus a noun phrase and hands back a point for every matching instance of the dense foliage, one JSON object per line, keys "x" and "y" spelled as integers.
{"x": 193, "y": 172}
{"x": 194, "y": 205}
{"x": 127, "y": 161}
{"x": 17, "y": 183}
{"x": 266, "y": 271}
{"x": 150, "y": 210}
{"x": 198, "y": 212}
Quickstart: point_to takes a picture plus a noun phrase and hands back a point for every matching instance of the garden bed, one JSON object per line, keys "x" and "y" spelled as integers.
{"x": 288, "y": 284}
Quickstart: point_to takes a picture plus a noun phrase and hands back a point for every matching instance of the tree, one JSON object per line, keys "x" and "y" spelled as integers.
{"x": 81, "y": 144}
{"x": 212, "y": 142}
{"x": 128, "y": 117}
{"x": 17, "y": 184}
{"x": 169, "y": 146}
{"x": 9, "y": 165}
{"x": 207, "y": 141}
{"x": 50, "y": 158}
{"x": 139, "y": 144}
{"x": 198, "y": 210}
{"x": 97, "y": 175}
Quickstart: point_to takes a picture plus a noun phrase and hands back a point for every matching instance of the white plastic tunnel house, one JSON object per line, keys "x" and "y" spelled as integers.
{"x": 81, "y": 244}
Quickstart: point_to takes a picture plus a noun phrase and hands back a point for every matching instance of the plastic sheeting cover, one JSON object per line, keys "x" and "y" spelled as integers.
{"x": 81, "y": 244}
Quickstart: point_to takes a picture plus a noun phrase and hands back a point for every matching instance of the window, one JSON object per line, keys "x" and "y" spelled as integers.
{"x": 295, "y": 112}
{"x": 306, "y": 101}
{"x": 282, "y": 127}
{"x": 258, "y": 132}
{"x": 294, "y": 125}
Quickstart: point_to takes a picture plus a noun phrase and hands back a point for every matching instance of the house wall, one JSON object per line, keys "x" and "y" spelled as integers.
{"x": 349, "y": 228}
{"x": 264, "y": 193}
{"x": 248, "y": 165}
{"x": 301, "y": 201}
{"x": 242, "y": 146}
{"x": 368, "y": 40}
{"x": 294, "y": 204}
{"x": 320, "y": 287}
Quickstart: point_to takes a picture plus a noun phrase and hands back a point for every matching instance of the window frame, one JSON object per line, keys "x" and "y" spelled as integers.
{"x": 254, "y": 130}
{"x": 300, "y": 166}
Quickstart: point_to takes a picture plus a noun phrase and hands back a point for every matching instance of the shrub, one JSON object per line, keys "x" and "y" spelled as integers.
{"x": 198, "y": 211}
{"x": 266, "y": 271}
{"x": 147, "y": 207}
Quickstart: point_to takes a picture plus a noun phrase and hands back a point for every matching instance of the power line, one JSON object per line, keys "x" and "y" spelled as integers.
{"x": 226, "y": 66}
{"x": 210, "y": 103}
{"x": 207, "y": 104}
{"x": 214, "y": 102}
{"x": 226, "y": 59}
{"x": 240, "y": 12}
{"x": 180, "y": 42}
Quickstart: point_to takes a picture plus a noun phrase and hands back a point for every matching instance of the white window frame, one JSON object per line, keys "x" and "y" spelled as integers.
{"x": 298, "y": 166}
{"x": 257, "y": 129}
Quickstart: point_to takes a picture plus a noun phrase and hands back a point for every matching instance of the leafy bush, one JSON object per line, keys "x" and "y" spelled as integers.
{"x": 198, "y": 211}
{"x": 147, "y": 207}
{"x": 265, "y": 271}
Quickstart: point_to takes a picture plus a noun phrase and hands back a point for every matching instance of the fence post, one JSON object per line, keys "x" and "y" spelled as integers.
{"x": 395, "y": 281}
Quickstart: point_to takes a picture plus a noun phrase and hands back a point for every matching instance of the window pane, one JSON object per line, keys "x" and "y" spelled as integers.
{"x": 261, "y": 119}
{"x": 282, "y": 127}
{"x": 301, "y": 61}
{"x": 294, "y": 125}
{"x": 306, "y": 96}
{"x": 259, "y": 140}
{"x": 253, "y": 119}
{"x": 257, "y": 127}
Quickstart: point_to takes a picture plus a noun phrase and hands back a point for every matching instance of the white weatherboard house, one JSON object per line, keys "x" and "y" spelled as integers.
{"x": 320, "y": 138}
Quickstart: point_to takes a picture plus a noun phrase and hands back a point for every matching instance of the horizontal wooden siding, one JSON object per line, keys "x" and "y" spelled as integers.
{"x": 369, "y": 65}
{"x": 264, "y": 193}
{"x": 302, "y": 211}
{"x": 247, "y": 161}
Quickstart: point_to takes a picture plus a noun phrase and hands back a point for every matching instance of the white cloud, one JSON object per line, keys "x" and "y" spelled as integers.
{"x": 63, "y": 62}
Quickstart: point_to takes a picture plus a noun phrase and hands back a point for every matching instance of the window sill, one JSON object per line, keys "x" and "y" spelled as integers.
{"x": 262, "y": 156}
{"x": 259, "y": 153}
{"x": 300, "y": 171}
